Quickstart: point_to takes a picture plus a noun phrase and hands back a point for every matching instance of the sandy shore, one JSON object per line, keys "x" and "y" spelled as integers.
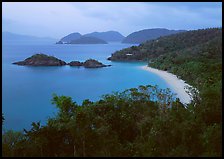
{"x": 176, "y": 84}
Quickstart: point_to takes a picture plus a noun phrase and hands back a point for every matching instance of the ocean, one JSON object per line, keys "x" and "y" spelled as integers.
{"x": 27, "y": 90}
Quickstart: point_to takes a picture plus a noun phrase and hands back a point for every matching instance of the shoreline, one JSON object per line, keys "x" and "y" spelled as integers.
{"x": 177, "y": 85}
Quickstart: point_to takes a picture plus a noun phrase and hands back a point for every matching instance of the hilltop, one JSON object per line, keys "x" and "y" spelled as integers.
{"x": 109, "y": 36}
{"x": 148, "y": 34}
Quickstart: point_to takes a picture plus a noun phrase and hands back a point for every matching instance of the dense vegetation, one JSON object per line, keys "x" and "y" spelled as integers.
{"x": 131, "y": 123}
{"x": 163, "y": 45}
{"x": 143, "y": 121}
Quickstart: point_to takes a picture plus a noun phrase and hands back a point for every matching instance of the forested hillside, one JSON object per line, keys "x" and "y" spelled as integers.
{"x": 176, "y": 42}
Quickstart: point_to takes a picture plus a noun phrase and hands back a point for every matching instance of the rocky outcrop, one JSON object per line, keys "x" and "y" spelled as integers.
{"x": 91, "y": 63}
{"x": 45, "y": 60}
{"x": 75, "y": 63}
{"x": 41, "y": 60}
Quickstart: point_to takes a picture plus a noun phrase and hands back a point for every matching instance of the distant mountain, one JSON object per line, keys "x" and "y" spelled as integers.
{"x": 148, "y": 34}
{"x": 69, "y": 38}
{"x": 107, "y": 36}
{"x": 88, "y": 40}
{"x": 193, "y": 44}
{"x": 8, "y": 37}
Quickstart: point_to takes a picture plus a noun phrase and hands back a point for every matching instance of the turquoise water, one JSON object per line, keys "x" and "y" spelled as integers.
{"x": 27, "y": 91}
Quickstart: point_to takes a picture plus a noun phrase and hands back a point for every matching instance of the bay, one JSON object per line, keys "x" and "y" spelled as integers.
{"x": 27, "y": 91}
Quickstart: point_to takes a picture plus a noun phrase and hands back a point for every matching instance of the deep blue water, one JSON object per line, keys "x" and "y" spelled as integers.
{"x": 27, "y": 91}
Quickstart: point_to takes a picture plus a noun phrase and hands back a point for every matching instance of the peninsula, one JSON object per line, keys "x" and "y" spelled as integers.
{"x": 194, "y": 56}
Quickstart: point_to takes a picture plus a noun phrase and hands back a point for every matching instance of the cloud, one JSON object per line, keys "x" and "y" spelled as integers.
{"x": 56, "y": 19}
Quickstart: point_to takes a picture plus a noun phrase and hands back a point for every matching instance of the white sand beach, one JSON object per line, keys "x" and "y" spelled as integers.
{"x": 176, "y": 84}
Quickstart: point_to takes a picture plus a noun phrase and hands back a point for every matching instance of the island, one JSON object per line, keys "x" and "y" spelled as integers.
{"x": 67, "y": 39}
{"x": 108, "y": 36}
{"x": 90, "y": 63}
{"x": 88, "y": 40}
{"x": 41, "y": 60}
{"x": 75, "y": 63}
{"x": 45, "y": 60}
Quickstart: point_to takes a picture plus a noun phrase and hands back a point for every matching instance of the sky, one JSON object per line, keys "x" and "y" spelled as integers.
{"x": 57, "y": 19}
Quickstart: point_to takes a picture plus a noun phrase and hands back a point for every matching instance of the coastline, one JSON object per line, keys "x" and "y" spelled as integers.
{"x": 177, "y": 85}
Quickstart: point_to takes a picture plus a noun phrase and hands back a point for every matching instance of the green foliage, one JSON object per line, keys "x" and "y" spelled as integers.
{"x": 212, "y": 140}
{"x": 189, "y": 42}
{"x": 143, "y": 121}
{"x": 65, "y": 105}
{"x": 12, "y": 143}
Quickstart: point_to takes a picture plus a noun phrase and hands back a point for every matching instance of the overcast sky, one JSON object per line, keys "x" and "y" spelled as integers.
{"x": 57, "y": 19}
